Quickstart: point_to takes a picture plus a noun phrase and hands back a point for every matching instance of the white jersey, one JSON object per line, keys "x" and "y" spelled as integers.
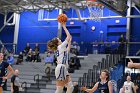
{"x": 62, "y": 54}
{"x": 60, "y": 72}
{"x": 128, "y": 87}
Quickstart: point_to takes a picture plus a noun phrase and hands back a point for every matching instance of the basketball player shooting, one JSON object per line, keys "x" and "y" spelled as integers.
{"x": 61, "y": 71}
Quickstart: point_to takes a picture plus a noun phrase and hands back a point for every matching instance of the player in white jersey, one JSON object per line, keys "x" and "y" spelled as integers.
{"x": 61, "y": 72}
{"x": 128, "y": 86}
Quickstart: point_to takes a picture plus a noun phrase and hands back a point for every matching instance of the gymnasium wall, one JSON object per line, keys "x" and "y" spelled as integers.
{"x": 7, "y": 34}
{"x": 108, "y": 26}
{"x": 33, "y": 31}
{"x": 135, "y": 33}
{"x": 82, "y": 32}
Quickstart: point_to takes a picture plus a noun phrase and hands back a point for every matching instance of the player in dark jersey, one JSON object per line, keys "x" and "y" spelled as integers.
{"x": 3, "y": 67}
{"x": 103, "y": 86}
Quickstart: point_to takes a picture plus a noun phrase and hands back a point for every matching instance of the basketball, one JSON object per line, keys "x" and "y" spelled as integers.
{"x": 62, "y": 18}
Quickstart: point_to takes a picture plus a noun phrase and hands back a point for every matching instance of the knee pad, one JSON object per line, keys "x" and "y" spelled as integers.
{"x": 59, "y": 89}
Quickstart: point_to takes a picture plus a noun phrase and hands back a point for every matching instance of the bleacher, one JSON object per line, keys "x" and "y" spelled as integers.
{"x": 111, "y": 62}
{"x": 34, "y": 80}
{"x": 30, "y": 71}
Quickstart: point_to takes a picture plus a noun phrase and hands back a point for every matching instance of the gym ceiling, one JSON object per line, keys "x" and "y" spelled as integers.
{"x": 19, "y": 6}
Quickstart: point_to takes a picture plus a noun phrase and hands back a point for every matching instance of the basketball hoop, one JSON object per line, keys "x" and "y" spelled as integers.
{"x": 95, "y": 10}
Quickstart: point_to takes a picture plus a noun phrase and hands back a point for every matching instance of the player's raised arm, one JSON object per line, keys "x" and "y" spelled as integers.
{"x": 69, "y": 45}
{"x": 62, "y": 18}
{"x": 66, "y": 31}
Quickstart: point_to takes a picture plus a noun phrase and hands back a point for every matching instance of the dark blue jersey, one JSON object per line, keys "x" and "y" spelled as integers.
{"x": 3, "y": 69}
{"x": 103, "y": 88}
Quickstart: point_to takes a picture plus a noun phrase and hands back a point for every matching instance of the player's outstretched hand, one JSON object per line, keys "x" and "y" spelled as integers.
{"x": 130, "y": 63}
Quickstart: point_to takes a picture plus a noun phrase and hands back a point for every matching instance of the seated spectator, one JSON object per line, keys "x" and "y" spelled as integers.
{"x": 34, "y": 57}
{"x": 29, "y": 55}
{"x": 48, "y": 64}
{"x": 49, "y": 60}
{"x": 36, "y": 53}
{"x": 10, "y": 59}
{"x": 74, "y": 62}
{"x": 37, "y": 49}
{"x": 37, "y": 56}
{"x": 26, "y": 49}
{"x": 20, "y": 58}
{"x": 74, "y": 51}
{"x": 75, "y": 48}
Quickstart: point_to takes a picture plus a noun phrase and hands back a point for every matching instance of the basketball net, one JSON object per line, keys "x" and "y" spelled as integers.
{"x": 95, "y": 10}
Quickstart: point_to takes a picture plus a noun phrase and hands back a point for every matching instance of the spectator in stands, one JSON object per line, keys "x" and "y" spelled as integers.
{"x": 5, "y": 52}
{"x": 20, "y": 58}
{"x": 121, "y": 48}
{"x": 29, "y": 55}
{"x": 95, "y": 47}
{"x": 3, "y": 49}
{"x": 48, "y": 64}
{"x": 74, "y": 62}
{"x": 37, "y": 47}
{"x": 133, "y": 65}
{"x": 10, "y": 59}
{"x": 37, "y": 51}
{"x": 75, "y": 48}
{"x": 3, "y": 75}
{"x": 103, "y": 86}
{"x": 34, "y": 56}
{"x": 128, "y": 86}
{"x": 15, "y": 84}
{"x": 26, "y": 49}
